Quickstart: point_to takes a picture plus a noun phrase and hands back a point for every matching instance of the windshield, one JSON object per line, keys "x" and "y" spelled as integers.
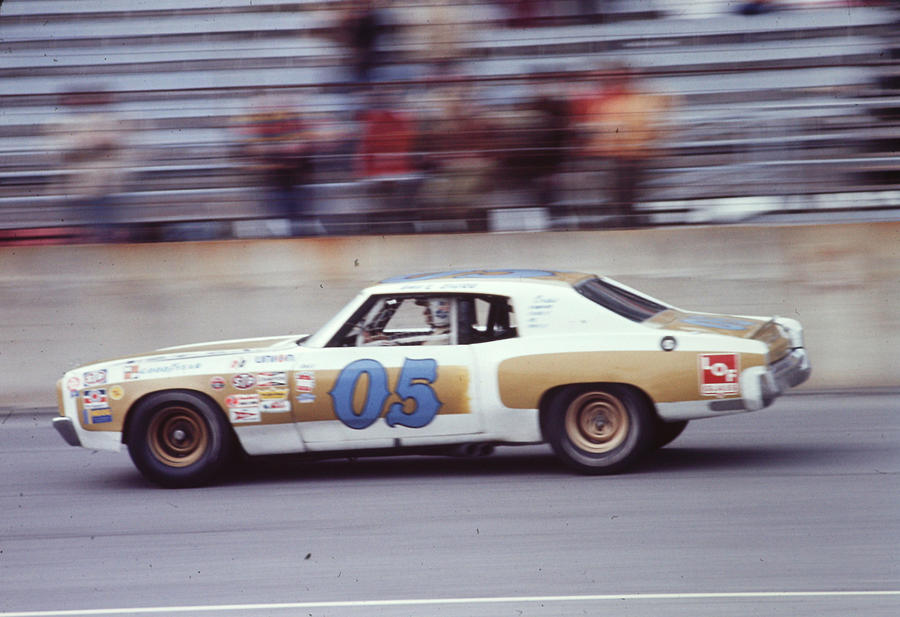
{"x": 618, "y": 300}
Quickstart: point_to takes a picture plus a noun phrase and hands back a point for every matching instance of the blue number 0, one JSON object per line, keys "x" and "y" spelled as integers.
{"x": 414, "y": 383}
{"x": 345, "y": 387}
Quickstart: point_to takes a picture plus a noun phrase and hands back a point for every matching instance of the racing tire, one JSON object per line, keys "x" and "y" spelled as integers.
{"x": 179, "y": 439}
{"x": 667, "y": 432}
{"x": 599, "y": 429}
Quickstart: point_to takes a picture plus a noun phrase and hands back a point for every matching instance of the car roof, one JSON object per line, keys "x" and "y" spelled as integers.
{"x": 478, "y": 280}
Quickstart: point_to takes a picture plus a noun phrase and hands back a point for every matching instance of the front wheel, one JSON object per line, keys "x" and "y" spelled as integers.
{"x": 179, "y": 439}
{"x": 599, "y": 429}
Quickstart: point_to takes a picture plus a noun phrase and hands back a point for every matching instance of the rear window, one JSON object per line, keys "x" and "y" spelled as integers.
{"x": 618, "y": 300}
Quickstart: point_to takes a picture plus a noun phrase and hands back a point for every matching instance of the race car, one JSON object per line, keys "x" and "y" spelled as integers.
{"x": 447, "y": 362}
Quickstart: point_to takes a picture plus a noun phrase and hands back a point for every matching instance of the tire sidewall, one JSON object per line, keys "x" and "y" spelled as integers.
{"x": 636, "y": 442}
{"x": 200, "y": 472}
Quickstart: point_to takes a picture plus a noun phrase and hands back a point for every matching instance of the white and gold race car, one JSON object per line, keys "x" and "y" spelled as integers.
{"x": 450, "y": 362}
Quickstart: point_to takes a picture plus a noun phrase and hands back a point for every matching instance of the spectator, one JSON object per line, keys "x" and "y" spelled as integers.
{"x": 440, "y": 36}
{"x": 622, "y": 126}
{"x": 455, "y": 140}
{"x": 359, "y": 29}
{"x": 281, "y": 146}
{"x": 385, "y": 158}
{"x": 538, "y": 146}
{"x": 92, "y": 143}
{"x": 757, "y": 7}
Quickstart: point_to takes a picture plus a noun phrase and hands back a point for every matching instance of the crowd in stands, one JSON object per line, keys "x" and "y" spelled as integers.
{"x": 415, "y": 145}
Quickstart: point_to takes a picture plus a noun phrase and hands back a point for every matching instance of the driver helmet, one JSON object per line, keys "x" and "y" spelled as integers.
{"x": 438, "y": 313}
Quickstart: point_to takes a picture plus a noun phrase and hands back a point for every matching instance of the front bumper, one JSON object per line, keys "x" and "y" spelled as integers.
{"x": 66, "y": 428}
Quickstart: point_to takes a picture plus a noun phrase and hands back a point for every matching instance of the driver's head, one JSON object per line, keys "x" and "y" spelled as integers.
{"x": 437, "y": 312}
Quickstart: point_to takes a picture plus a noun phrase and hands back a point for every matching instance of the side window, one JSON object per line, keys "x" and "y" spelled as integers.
{"x": 402, "y": 320}
{"x": 486, "y": 318}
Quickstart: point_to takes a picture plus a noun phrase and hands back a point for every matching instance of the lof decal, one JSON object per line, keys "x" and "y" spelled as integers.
{"x": 116, "y": 393}
{"x": 719, "y": 374}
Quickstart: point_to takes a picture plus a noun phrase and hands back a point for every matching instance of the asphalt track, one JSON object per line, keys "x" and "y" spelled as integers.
{"x": 794, "y": 510}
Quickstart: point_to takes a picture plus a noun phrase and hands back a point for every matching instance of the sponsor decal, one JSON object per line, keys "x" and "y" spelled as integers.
{"x": 719, "y": 374}
{"x": 100, "y": 417}
{"x": 239, "y": 416}
{"x": 305, "y": 397}
{"x": 96, "y": 399}
{"x": 238, "y": 363}
{"x": 73, "y": 385}
{"x": 136, "y": 371}
{"x": 305, "y": 381}
{"x": 273, "y": 394}
{"x": 217, "y": 383}
{"x": 271, "y": 380}
{"x": 538, "y": 314}
{"x": 243, "y": 381}
{"x": 95, "y": 378}
{"x": 274, "y": 358}
{"x": 116, "y": 393}
{"x": 275, "y": 406}
{"x": 132, "y": 371}
{"x": 242, "y": 401}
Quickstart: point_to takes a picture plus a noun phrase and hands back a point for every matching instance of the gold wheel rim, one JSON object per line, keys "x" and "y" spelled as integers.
{"x": 597, "y": 422}
{"x": 178, "y": 436}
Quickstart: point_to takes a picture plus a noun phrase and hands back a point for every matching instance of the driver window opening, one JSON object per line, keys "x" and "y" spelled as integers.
{"x": 429, "y": 320}
{"x": 421, "y": 320}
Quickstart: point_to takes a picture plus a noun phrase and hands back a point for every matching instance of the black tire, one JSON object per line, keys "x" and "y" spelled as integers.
{"x": 599, "y": 429}
{"x": 667, "y": 432}
{"x": 179, "y": 439}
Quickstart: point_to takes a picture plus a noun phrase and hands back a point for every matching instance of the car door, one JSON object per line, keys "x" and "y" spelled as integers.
{"x": 393, "y": 375}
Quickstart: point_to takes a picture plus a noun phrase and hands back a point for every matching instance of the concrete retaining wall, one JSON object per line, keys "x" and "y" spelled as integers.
{"x": 63, "y": 306}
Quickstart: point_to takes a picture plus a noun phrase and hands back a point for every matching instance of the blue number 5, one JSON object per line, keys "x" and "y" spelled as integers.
{"x": 410, "y": 386}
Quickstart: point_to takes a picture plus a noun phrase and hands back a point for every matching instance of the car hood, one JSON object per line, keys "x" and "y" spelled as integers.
{"x": 207, "y": 349}
{"x": 235, "y": 345}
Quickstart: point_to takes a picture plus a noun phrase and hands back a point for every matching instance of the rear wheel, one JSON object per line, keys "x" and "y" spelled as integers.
{"x": 598, "y": 429}
{"x": 179, "y": 439}
{"x": 667, "y": 432}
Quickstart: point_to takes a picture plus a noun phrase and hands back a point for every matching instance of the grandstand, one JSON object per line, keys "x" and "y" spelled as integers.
{"x": 786, "y": 116}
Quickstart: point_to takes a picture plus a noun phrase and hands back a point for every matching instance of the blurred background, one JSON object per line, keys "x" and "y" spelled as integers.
{"x": 136, "y": 121}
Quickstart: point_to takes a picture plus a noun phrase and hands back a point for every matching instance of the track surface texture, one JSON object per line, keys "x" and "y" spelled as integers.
{"x": 794, "y": 510}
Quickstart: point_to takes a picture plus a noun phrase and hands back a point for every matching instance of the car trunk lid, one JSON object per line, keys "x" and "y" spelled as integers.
{"x": 766, "y": 330}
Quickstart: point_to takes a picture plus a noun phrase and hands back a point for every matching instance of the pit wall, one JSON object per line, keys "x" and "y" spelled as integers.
{"x": 61, "y": 306}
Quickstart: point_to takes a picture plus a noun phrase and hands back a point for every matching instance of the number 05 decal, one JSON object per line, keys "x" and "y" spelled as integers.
{"x": 414, "y": 384}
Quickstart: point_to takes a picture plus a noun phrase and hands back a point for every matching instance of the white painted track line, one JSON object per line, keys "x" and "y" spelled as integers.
{"x": 454, "y": 601}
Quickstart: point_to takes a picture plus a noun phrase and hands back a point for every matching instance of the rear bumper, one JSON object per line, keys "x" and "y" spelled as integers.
{"x": 66, "y": 428}
{"x": 761, "y": 385}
